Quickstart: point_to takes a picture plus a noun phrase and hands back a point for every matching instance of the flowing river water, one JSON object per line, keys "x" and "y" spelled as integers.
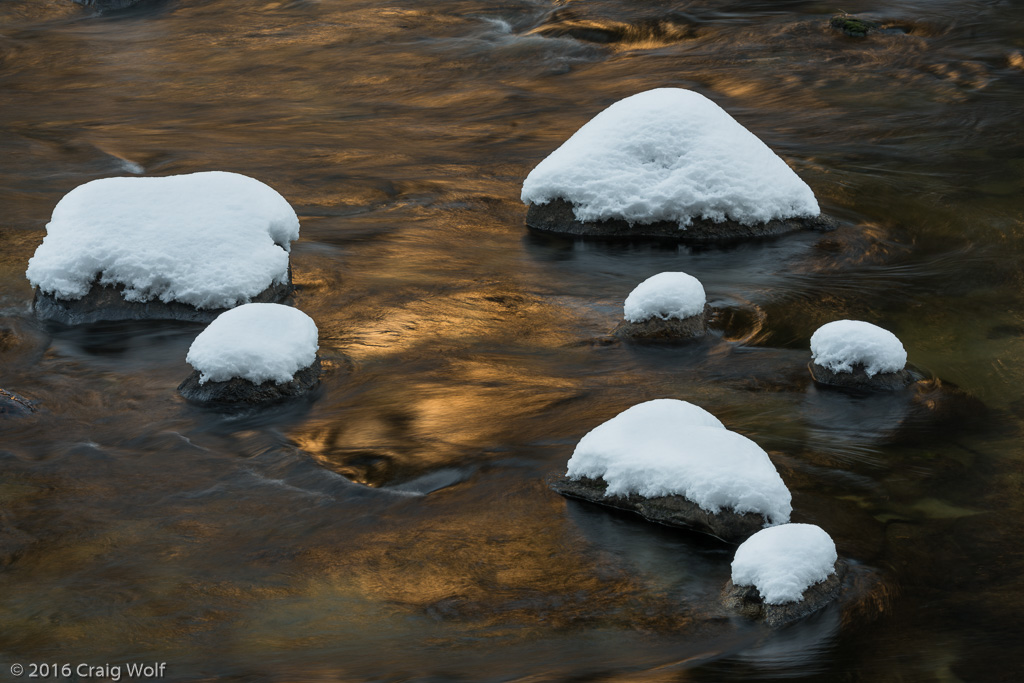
{"x": 399, "y": 527}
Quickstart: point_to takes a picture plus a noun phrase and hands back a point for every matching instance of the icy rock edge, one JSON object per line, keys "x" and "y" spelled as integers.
{"x": 674, "y": 463}
{"x": 668, "y": 163}
{"x": 185, "y": 247}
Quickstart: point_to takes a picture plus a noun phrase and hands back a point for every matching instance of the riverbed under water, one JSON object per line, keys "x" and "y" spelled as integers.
{"x": 398, "y": 527}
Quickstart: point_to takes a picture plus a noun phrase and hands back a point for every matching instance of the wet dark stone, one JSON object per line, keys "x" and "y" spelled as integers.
{"x": 747, "y": 601}
{"x": 240, "y": 393}
{"x": 658, "y": 330}
{"x": 852, "y": 26}
{"x": 557, "y": 216}
{"x": 13, "y": 405}
{"x": 104, "y": 303}
{"x": 859, "y": 380}
{"x": 676, "y": 511}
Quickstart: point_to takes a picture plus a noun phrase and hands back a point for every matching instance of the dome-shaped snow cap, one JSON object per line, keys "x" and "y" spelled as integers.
{"x": 843, "y": 344}
{"x": 667, "y": 296}
{"x": 257, "y": 342}
{"x": 210, "y": 240}
{"x": 669, "y": 155}
{"x": 784, "y": 561}
{"x": 669, "y": 447}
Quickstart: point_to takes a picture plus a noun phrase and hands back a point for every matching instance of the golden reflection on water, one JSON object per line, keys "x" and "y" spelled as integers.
{"x": 456, "y": 346}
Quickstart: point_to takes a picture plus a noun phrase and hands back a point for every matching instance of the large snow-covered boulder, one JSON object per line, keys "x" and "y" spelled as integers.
{"x": 858, "y": 355}
{"x": 665, "y": 307}
{"x": 256, "y": 353}
{"x": 673, "y": 462}
{"x": 183, "y": 247}
{"x": 784, "y": 573}
{"x": 667, "y": 163}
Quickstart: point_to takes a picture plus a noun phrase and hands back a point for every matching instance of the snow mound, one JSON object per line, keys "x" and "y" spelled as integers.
{"x": 665, "y": 296}
{"x": 841, "y": 344}
{"x": 211, "y": 240}
{"x": 669, "y": 155}
{"x": 257, "y": 342}
{"x": 670, "y": 447}
{"x": 784, "y": 561}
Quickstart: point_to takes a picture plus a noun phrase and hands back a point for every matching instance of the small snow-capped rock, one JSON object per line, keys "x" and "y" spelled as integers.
{"x": 256, "y": 353}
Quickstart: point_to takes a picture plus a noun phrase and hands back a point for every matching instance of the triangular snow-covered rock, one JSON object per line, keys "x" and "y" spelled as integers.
{"x": 669, "y": 155}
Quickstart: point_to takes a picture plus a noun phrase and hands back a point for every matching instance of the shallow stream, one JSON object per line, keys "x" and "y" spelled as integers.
{"x": 399, "y": 527}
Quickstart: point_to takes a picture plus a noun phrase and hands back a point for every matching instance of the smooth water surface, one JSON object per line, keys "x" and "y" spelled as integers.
{"x": 398, "y": 526}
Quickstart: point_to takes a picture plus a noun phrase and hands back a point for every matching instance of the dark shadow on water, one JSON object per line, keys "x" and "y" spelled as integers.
{"x": 127, "y": 9}
{"x": 127, "y": 341}
{"x": 227, "y": 419}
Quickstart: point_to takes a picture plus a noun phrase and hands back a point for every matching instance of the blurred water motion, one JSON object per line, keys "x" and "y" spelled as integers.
{"x": 399, "y": 527}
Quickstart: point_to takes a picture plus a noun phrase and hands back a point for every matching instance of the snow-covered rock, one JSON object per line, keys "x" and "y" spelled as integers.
{"x": 664, "y": 307}
{"x": 857, "y": 354}
{"x": 163, "y": 247}
{"x": 675, "y": 463}
{"x": 665, "y": 296}
{"x": 784, "y": 561}
{"x": 784, "y": 572}
{"x": 669, "y": 158}
{"x": 252, "y": 354}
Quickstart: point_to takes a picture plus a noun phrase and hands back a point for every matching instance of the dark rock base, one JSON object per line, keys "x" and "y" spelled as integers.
{"x": 676, "y": 511}
{"x": 241, "y": 393}
{"x": 557, "y": 216}
{"x": 13, "y": 405}
{"x": 859, "y": 380}
{"x": 747, "y": 601}
{"x": 103, "y": 303}
{"x": 658, "y": 330}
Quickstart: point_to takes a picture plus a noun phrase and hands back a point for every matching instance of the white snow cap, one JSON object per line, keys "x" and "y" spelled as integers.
{"x": 665, "y": 296}
{"x": 671, "y": 447}
{"x": 669, "y": 155}
{"x": 257, "y": 342}
{"x": 211, "y": 240}
{"x": 784, "y": 561}
{"x": 841, "y": 344}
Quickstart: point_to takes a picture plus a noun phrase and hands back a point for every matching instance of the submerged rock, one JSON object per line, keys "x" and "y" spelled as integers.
{"x": 240, "y": 392}
{"x": 557, "y": 216}
{"x": 853, "y": 26}
{"x": 107, "y": 304}
{"x": 13, "y": 405}
{"x": 673, "y": 510}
